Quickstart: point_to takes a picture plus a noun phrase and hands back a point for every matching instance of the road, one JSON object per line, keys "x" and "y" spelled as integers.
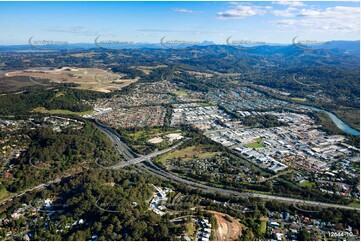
{"x": 301, "y": 83}
{"x": 121, "y": 147}
{"x": 125, "y": 151}
{"x": 277, "y": 175}
{"x": 168, "y": 176}
{"x": 131, "y": 160}
{"x": 38, "y": 187}
{"x": 142, "y": 158}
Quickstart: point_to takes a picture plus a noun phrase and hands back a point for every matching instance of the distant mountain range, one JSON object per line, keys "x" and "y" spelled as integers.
{"x": 336, "y": 45}
{"x": 353, "y": 46}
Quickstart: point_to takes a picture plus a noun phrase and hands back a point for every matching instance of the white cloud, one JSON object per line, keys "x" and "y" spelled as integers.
{"x": 184, "y": 10}
{"x": 289, "y": 12}
{"x": 242, "y": 11}
{"x": 292, "y": 16}
{"x": 290, "y": 3}
{"x": 339, "y": 19}
{"x": 77, "y": 30}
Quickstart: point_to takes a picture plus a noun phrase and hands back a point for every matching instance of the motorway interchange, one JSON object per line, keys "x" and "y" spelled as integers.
{"x": 130, "y": 159}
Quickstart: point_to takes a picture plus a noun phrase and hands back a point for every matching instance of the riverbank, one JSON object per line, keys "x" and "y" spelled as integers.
{"x": 330, "y": 127}
{"x": 338, "y": 122}
{"x": 351, "y": 117}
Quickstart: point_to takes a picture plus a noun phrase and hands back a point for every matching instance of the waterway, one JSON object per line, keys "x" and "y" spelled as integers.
{"x": 339, "y": 123}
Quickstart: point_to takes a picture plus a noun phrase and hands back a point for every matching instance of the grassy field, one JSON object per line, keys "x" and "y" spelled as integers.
{"x": 148, "y": 69}
{"x": 180, "y": 93}
{"x": 354, "y": 204}
{"x": 308, "y": 184}
{"x": 59, "y": 111}
{"x": 188, "y": 153}
{"x": 4, "y": 193}
{"x": 190, "y": 229}
{"x": 254, "y": 145}
{"x": 146, "y": 134}
{"x": 263, "y": 227}
{"x": 150, "y": 133}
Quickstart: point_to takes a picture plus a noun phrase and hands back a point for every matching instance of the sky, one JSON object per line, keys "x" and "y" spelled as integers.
{"x": 149, "y": 22}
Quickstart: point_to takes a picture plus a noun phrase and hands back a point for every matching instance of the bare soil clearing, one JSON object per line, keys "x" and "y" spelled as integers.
{"x": 229, "y": 229}
{"x": 87, "y": 78}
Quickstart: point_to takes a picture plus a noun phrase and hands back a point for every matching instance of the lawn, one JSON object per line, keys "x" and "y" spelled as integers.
{"x": 354, "y": 204}
{"x": 143, "y": 134}
{"x": 263, "y": 227}
{"x": 190, "y": 229}
{"x": 206, "y": 104}
{"x": 188, "y": 153}
{"x": 255, "y": 145}
{"x": 180, "y": 93}
{"x": 259, "y": 139}
{"x": 308, "y": 184}
{"x": 146, "y": 134}
{"x": 59, "y": 111}
{"x": 4, "y": 193}
{"x": 299, "y": 99}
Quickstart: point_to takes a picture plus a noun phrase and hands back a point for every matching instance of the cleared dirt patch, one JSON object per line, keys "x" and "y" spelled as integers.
{"x": 228, "y": 228}
{"x": 155, "y": 140}
{"x": 87, "y": 78}
{"x": 188, "y": 153}
{"x": 147, "y": 69}
{"x": 174, "y": 136}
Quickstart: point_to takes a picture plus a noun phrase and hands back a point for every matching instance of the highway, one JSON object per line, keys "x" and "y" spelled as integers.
{"x": 168, "y": 176}
{"x": 131, "y": 160}
{"x": 142, "y": 158}
{"x": 121, "y": 147}
{"x": 125, "y": 151}
{"x": 147, "y": 157}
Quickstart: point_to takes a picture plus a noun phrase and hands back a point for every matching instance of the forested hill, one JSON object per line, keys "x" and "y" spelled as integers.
{"x": 331, "y": 68}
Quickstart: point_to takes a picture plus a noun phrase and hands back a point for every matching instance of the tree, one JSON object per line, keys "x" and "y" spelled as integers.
{"x": 304, "y": 235}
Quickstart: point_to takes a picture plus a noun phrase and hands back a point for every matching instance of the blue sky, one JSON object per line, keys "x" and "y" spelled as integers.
{"x": 271, "y": 22}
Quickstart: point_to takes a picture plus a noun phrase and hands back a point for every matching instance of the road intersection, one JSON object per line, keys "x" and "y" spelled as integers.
{"x": 169, "y": 176}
